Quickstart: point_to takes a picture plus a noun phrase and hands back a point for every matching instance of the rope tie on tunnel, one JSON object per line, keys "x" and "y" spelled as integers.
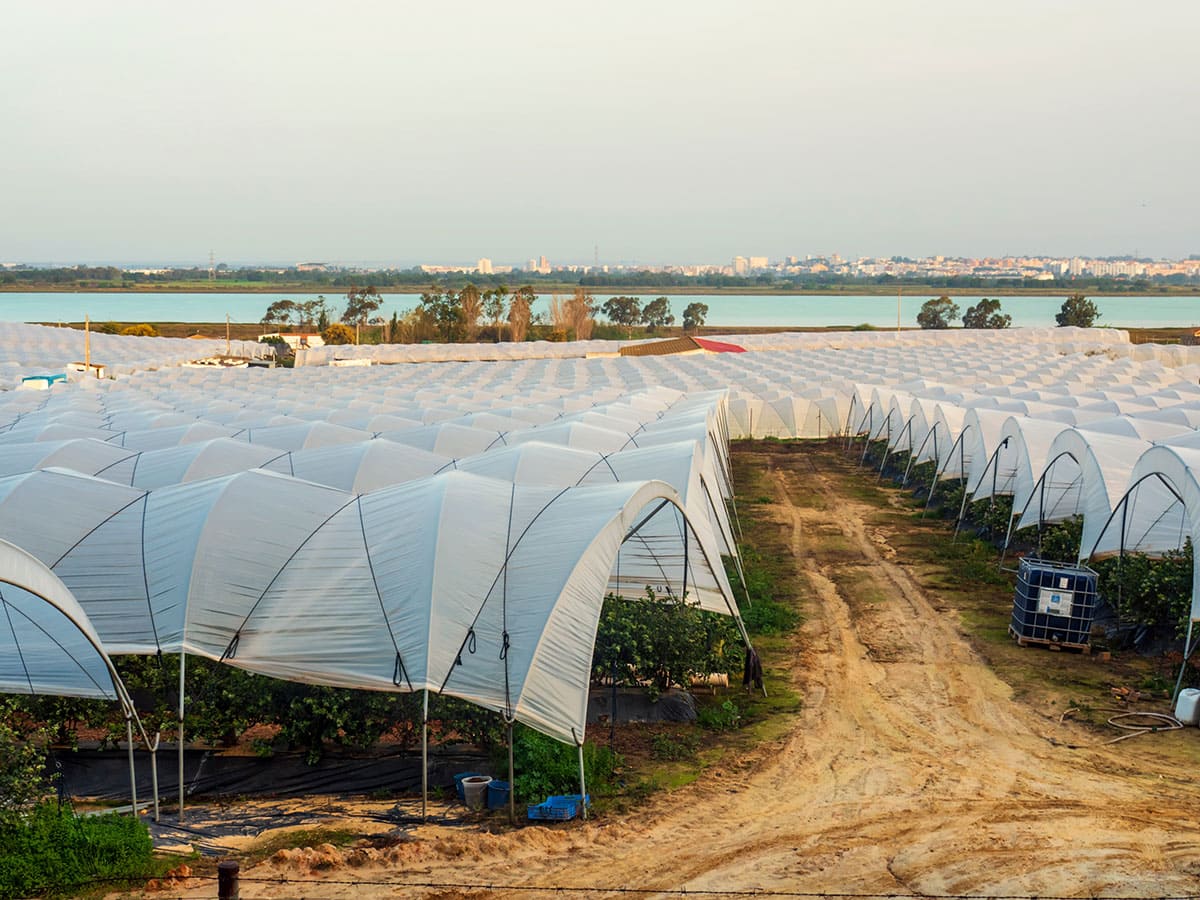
{"x": 400, "y": 672}
{"x": 501, "y": 579}
{"x": 231, "y": 650}
{"x": 468, "y": 645}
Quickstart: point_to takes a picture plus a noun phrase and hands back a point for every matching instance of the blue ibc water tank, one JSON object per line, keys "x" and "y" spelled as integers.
{"x": 1054, "y": 603}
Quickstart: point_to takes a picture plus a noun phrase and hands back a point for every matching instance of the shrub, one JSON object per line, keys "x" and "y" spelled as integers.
{"x": 63, "y": 716}
{"x": 769, "y": 617}
{"x": 725, "y": 717}
{"x": 49, "y": 849}
{"x": 660, "y": 641}
{"x": 454, "y": 718}
{"x": 922, "y": 473}
{"x": 948, "y": 500}
{"x": 1060, "y": 541}
{"x": 309, "y": 716}
{"x": 337, "y": 333}
{"x": 674, "y": 747}
{"x": 543, "y": 766}
{"x": 140, "y": 330}
{"x": 223, "y": 702}
{"x": 22, "y": 765}
{"x": 1148, "y": 591}
{"x": 991, "y": 514}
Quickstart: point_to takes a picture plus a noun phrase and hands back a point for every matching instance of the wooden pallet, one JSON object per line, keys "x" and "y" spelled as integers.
{"x": 1023, "y": 641}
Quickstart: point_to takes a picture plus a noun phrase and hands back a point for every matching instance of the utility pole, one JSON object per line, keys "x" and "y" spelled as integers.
{"x": 899, "y": 291}
{"x": 212, "y": 269}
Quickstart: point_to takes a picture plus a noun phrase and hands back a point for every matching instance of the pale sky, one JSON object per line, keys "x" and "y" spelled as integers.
{"x": 661, "y": 131}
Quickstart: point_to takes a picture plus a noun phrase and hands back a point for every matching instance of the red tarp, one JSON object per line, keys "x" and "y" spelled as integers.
{"x": 718, "y": 346}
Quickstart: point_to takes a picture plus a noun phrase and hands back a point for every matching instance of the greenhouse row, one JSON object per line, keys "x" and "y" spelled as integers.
{"x": 452, "y": 522}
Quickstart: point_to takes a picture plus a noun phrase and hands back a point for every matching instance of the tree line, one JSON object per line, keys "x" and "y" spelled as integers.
{"x": 452, "y": 316}
{"x": 940, "y": 312}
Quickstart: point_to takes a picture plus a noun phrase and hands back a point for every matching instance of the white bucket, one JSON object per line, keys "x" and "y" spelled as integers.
{"x": 475, "y": 790}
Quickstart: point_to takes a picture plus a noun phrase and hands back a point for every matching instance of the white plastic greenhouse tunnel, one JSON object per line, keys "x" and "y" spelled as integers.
{"x": 49, "y": 648}
{"x": 508, "y": 625}
{"x": 1159, "y": 511}
{"x": 1085, "y": 474}
{"x": 369, "y": 526}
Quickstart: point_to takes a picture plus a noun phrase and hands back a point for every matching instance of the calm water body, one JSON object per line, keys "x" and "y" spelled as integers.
{"x": 726, "y": 310}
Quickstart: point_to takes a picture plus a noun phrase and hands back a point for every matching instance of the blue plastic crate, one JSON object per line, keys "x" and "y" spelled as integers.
{"x": 552, "y": 812}
{"x": 558, "y": 808}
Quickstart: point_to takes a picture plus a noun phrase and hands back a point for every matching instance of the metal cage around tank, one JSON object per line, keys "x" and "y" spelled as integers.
{"x": 1054, "y": 604}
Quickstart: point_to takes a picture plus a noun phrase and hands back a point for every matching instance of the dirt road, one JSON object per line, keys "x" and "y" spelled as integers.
{"x": 910, "y": 770}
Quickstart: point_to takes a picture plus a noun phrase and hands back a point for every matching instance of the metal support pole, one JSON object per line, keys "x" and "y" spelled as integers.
{"x": 891, "y": 447}
{"x": 182, "y": 667}
{"x": 962, "y": 482}
{"x": 995, "y": 482}
{"x": 132, "y": 772}
{"x": 962, "y": 511}
{"x": 683, "y": 593}
{"x": 154, "y": 774}
{"x": 1007, "y": 538}
{"x": 512, "y": 791}
{"x": 867, "y": 440}
{"x": 425, "y": 754}
{"x": 929, "y": 497}
{"x": 582, "y": 782}
{"x": 939, "y": 469}
{"x": 612, "y": 712}
{"x": 1041, "y": 510}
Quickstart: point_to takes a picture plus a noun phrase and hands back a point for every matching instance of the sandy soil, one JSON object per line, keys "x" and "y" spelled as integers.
{"x": 910, "y": 770}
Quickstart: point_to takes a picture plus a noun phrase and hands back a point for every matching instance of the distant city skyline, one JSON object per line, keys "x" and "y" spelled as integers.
{"x": 405, "y": 133}
{"x": 1024, "y": 267}
{"x": 498, "y": 263}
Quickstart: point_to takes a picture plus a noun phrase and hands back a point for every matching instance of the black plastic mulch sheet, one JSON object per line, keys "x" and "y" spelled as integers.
{"x": 105, "y": 775}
